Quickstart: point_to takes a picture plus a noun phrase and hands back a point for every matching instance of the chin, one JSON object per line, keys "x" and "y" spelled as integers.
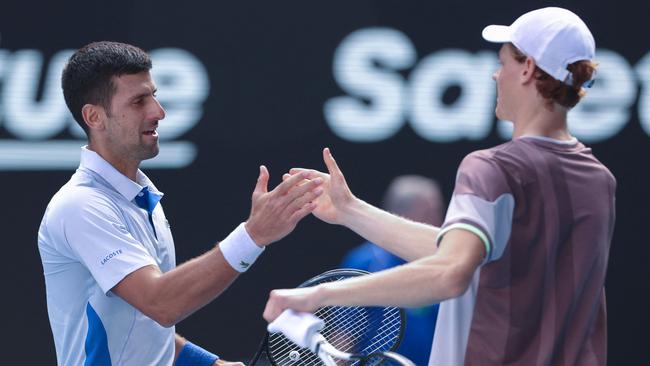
{"x": 150, "y": 153}
{"x": 497, "y": 112}
{"x": 500, "y": 115}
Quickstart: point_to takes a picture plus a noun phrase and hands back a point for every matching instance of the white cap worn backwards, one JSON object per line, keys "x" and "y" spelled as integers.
{"x": 553, "y": 37}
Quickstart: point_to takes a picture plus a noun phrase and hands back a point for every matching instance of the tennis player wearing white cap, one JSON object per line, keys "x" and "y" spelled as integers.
{"x": 520, "y": 261}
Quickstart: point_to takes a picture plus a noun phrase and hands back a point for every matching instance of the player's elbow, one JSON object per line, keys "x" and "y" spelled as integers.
{"x": 162, "y": 314}
{"x": 457, "y": 280}
{"x": 166, "y": 319}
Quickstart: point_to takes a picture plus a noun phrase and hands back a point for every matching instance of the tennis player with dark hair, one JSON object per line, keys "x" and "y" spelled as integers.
{"x": 114, "y": 292}
{"x": 520, "y": 261}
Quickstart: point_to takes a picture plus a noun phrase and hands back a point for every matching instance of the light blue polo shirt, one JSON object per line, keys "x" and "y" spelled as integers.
{"x": 92, "y": 235}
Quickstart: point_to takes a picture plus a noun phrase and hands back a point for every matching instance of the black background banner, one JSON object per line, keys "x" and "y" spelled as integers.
{"x": 267, "y": 71}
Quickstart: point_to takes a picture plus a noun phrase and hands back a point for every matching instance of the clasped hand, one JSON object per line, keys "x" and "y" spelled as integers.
{"x": 275, "y": 214}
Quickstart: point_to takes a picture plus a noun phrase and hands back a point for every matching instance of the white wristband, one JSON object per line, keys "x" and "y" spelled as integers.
{"x": 239, "y": 249}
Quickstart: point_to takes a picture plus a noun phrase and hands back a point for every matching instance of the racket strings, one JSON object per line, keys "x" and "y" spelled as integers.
{"x": 284, "y": 352}
{"x": 387, "y": 334}
{"x": 358, "y": 330}
{"x": 384, "y": 332}
{"x": 342, "y": 331}
{"x": 347, "y": 328}
{"x": 350, "y": 329}
{"x": 365, "y": 337}
{"x": 282, "y": 349}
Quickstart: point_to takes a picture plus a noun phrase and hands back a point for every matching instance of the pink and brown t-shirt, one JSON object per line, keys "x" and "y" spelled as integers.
{"x": 545, "y": 211}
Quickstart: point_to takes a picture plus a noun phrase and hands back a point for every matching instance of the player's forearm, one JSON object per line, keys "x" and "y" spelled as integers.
{"x": 431, "y": 279}
{"x": 436, "y": 280}
{"x": 190, "y": 286}
{"x": 407, "y": 239}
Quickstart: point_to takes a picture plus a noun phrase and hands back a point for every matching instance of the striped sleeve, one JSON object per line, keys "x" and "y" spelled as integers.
{"x": 482, "y": 203}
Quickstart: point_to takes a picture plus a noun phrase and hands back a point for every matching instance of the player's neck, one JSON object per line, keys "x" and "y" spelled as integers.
{"x": 127, "y": 167}
{"x": 539, "y": 120}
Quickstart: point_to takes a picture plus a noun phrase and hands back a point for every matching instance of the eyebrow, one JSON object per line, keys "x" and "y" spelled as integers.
{"x": 144, "y": 94}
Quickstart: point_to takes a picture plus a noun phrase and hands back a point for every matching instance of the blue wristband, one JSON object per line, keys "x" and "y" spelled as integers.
{"x": 193, "y": 355}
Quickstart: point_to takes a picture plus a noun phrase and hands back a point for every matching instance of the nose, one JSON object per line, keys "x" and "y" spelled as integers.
{"x": 495, "y": 75}
{"x": 159, "y": 112}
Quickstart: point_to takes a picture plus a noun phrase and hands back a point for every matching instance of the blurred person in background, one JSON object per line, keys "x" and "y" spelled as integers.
{"x": 419, "y": 199}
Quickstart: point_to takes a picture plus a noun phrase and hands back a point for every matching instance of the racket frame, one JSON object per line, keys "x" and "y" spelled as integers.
{"x": 323, "y": 278}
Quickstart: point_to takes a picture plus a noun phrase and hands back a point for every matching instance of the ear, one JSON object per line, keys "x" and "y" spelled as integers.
{"x": 528, "y": 71}
{"x": 94, "y": 116}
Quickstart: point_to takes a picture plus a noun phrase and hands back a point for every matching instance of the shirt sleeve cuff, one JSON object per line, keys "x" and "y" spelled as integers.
{"x": 472, "y": 229}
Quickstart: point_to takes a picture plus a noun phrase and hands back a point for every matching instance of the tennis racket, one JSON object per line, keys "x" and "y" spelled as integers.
{"x": 351, "y": 335}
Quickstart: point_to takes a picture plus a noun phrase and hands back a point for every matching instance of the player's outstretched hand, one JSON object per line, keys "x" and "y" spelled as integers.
{"x": 275, "y": 214}
{"x": 337, "y": 198}
{"x": 300, "y": 299}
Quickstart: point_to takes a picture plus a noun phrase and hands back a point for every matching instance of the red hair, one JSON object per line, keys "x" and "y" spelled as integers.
{"x": 555, "y": 91}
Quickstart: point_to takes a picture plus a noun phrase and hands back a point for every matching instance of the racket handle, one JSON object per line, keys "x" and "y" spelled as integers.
{"x": 321, "y": 346}
{"x": 298, "y": 327}
{"x": 327, "y": 359}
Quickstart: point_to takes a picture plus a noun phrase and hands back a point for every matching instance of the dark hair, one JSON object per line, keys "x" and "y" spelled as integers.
{"x": 88, "y": 76}
{"x": 555, "y": 91}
